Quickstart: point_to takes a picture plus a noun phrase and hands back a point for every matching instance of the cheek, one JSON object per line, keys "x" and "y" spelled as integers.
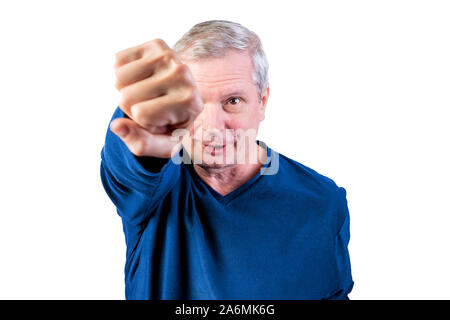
{"x": 244, "y": 122}
{"x": 242, "y": 128}
{"x": 235, "y": 124}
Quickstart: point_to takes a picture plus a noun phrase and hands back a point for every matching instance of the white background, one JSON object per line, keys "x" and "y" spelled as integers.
{"x": 360, "y": 92}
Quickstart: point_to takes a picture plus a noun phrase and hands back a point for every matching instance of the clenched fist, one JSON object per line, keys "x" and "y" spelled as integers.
{"x": 158, "y": 94}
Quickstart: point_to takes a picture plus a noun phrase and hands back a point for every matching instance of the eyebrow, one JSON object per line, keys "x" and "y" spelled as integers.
{"x": 234, "y": 93}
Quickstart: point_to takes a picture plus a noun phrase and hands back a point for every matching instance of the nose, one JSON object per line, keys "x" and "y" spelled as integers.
{"x": 212, "y": 123}
{"x": 212, "y": 118}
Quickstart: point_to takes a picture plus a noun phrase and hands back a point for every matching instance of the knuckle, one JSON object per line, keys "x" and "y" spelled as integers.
{"x": 125, "y": 101}
{"x": 138, "y": 147}
{"x": 117, "y": 84}
{"x": 117, "y": 57}
{"x": 139, "y": 117}
{"x": 180, "y": 71}
{"x": 189, "y": 97}
{"x": 149, "y": 61}
{"x": 166, "y": 56}
{"x": 137, "y": 114}
{"x": 159, "y": 43}
{"x": 163, "y": 59}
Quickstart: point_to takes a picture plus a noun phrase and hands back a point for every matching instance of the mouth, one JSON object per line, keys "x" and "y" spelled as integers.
{"x": 214, "y": 149}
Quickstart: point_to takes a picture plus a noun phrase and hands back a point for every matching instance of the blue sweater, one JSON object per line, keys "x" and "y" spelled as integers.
{"x": 280, "y": 236}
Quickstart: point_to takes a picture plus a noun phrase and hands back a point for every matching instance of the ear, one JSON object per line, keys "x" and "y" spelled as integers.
{"x": 263, "y": 103}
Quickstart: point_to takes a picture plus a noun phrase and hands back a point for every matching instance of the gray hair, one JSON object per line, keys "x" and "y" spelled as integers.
{"x": 213, "y": 38}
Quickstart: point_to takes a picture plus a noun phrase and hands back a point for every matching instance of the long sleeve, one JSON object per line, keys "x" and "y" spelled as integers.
{"x": 342, "y": 254}
{"x": 134, "y": 184}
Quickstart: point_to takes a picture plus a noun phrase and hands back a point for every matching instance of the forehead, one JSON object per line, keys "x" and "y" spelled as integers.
{"x": 233, "y": 70}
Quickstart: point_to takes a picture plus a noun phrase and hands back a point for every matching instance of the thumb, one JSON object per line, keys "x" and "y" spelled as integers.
{"x": 141, "y": 142}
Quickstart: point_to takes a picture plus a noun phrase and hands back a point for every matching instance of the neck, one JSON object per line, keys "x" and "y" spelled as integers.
{"x": 227, "y": 178}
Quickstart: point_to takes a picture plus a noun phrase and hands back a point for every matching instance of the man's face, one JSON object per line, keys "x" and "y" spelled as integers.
{"x": 232, "y": 110}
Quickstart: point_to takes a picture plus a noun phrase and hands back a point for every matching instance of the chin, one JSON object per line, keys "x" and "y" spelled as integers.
{"x": 208, "y": 161}
{"x": 214, "y": 166}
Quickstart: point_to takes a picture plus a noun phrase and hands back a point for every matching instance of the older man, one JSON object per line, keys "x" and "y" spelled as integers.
{"x": 209, "y": 211}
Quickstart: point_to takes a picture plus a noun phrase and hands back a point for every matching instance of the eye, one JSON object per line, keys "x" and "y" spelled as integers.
{"x": 234, "y": 99}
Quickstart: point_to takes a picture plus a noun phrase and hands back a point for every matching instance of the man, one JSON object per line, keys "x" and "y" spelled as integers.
{"x": 237, "y": 220}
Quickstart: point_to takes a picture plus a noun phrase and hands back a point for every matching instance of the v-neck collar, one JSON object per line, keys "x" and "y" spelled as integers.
{"x": 225, "y": 199}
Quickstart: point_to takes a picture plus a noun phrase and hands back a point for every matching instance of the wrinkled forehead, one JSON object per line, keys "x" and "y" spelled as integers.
{"x": 228, "y": 75}
{"x": 234, "y": 65}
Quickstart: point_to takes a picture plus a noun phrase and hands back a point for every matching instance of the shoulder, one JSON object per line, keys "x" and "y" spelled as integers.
{"x": 320, "y": 189}
{"x": 307, "y": 177}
